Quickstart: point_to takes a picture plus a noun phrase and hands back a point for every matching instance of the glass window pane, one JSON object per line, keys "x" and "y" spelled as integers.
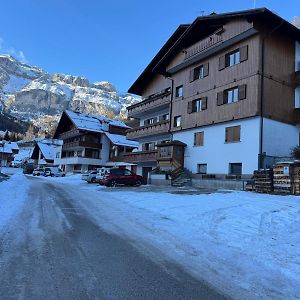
{"x": 235, "y": 95}
{"x": 237, "y": 57}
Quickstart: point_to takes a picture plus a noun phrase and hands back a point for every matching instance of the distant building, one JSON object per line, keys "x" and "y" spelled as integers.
{"x": 91, "y": 141}
{"x": 46, "y": 151}
{"x": 7, "y": 152}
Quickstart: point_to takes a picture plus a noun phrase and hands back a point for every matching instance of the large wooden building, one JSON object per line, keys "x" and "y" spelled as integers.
{"x": 227, "y": 86}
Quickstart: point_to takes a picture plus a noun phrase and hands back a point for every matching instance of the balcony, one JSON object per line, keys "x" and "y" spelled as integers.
{"x": 81, "y": 144}
{"x": 149, "y": 130}
{"x": 78, "y": 160}
{"x": 69, "y": 134}
{"x": 140, "y": 156}
{"x": 204, "y": 44}
{"x": 151, "y": 104}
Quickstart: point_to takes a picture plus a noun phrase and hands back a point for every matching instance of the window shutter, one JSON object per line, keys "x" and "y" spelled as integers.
{"x": 220, "y": 98}
{"x": 201, "y": 138}
{"x": 190, "y": 107}
{"x": 243, "y": 53}
{"x": 221, "y": 62}
{"x": 161, "y": 118}
{"x": 205, "y": 69}
{"x": 203, "y": 103}
{"x": 236, "y": 133}
{"x": 242, "y": 91}
{"x": 143, "y": 147}
{"x": 191, "y": 75}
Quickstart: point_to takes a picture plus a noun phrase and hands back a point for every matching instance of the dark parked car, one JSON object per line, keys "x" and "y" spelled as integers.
{"x": 121, "y": 176}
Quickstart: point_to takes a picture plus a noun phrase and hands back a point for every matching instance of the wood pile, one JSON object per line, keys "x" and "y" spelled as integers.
{"x": 287, "y": 178}
{"x": 263, "y": 181}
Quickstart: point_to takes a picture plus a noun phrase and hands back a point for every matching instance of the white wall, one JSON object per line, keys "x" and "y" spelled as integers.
{"x": 279, "y": 138}
{"x": 216, "y": 153}
{"x": 105, "y": 149}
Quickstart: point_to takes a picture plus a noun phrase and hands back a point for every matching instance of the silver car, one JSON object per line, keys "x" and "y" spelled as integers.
{"x": 89, "y": 177}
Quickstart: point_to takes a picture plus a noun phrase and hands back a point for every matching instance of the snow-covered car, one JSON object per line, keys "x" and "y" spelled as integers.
{"x": 100, "y": 174}
{"x": 90, "y": 176}
{"x": 38, "y": 172}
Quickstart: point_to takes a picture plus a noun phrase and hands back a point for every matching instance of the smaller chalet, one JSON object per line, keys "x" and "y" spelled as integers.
{"x": 90, "y": 142}
{"x": 46, "y": 151}
{"x": 7, "y": 152}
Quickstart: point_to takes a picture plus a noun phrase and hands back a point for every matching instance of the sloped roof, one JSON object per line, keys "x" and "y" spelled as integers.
{"x": 47, "y": 150}
{"x": 121, "y": 140}
{"x": 8, "y": 147}
{"x": 92, "y": 123}
{"x": 191, "y": 33}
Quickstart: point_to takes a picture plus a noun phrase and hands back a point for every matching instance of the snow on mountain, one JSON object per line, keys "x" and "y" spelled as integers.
{"x": 30, "y": 93}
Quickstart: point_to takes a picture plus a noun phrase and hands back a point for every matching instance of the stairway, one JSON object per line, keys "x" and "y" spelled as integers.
{"x": 182, "y": 178}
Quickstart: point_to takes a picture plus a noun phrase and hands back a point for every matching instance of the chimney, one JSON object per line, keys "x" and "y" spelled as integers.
{"x": 296, "y": 22}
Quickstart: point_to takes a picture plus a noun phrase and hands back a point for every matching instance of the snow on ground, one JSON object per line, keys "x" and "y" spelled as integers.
{"x": 245, "y": 244}
{"x": 13, "y": 193}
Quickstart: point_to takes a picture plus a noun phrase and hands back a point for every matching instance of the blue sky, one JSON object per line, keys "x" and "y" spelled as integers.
{"x": 105, "y": 40}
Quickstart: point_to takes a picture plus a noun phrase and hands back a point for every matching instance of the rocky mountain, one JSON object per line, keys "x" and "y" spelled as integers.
{"x": 30, "y": 94}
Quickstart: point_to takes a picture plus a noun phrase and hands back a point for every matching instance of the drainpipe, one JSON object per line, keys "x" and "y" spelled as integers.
{"x": 261, "y": 126}
{"x": 171, "y": 107}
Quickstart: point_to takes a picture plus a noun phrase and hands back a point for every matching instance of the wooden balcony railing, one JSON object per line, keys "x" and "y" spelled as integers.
{"x": 140, "y": 156}
{"x": 83, "y": 144}
{"x": 149, "y": 130}
{"x": 151, "y": 103}
{"x": 69, "y": 134}
{"x": 204, "y": 44}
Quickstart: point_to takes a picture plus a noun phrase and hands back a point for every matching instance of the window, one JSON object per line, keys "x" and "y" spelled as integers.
{"x": 232, "y": 95}
{"x": 179, "y": 91}
{"x": 177, "y": 121}
{"x": 197, "y": 105}
{"x": 127, "y": 172}
{"x": 235, "y": 168}
{"x": 198, "y": 73}
{"x": 199, "y": 138}
{"x": 202, "y": 168}
{"x": 148, "y": 146}
{"x": 164, "y": 117}
{"x": 165, "y": 151}
{"x": 232, "y": 58}
{"x": 233, "y": 134}
{"x": 150, "y": 121}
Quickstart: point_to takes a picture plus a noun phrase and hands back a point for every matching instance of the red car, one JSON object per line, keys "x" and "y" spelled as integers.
{"x": 121, "y": 176}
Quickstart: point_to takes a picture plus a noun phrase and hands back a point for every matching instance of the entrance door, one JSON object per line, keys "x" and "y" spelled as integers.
{"x": 145, "y": 172}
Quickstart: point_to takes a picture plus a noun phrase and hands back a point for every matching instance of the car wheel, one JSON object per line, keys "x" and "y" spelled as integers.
{"x": 63, "y": 175}
{"x": 138, "y": 183}
{"x": 93, "y": 180}
{"x": 52, "y": 175}
{"x": 38, "y": 174}
{"x": 113, "y": 183}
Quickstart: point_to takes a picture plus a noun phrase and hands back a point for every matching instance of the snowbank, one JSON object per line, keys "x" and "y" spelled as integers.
{"x": 13, "y": 193}
{"x": 244, "y": 244}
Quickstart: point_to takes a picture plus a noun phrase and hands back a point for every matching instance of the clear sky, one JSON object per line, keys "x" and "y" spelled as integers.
{"x": 105, "y": 40}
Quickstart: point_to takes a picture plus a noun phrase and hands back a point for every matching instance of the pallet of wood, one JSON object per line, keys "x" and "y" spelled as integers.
{"x": 287, "y": 178}
{"x": 263, "y": 181}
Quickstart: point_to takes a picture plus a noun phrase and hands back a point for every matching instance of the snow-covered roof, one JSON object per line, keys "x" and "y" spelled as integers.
{"x": 121, "y": 140}
{"x": 93, "y": 123}
{"x": 8, "y": 147}
{"x": 47, "y": 150}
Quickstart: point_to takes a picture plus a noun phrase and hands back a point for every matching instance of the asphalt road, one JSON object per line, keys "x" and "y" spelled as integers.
{"x": 54, "y": 250}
